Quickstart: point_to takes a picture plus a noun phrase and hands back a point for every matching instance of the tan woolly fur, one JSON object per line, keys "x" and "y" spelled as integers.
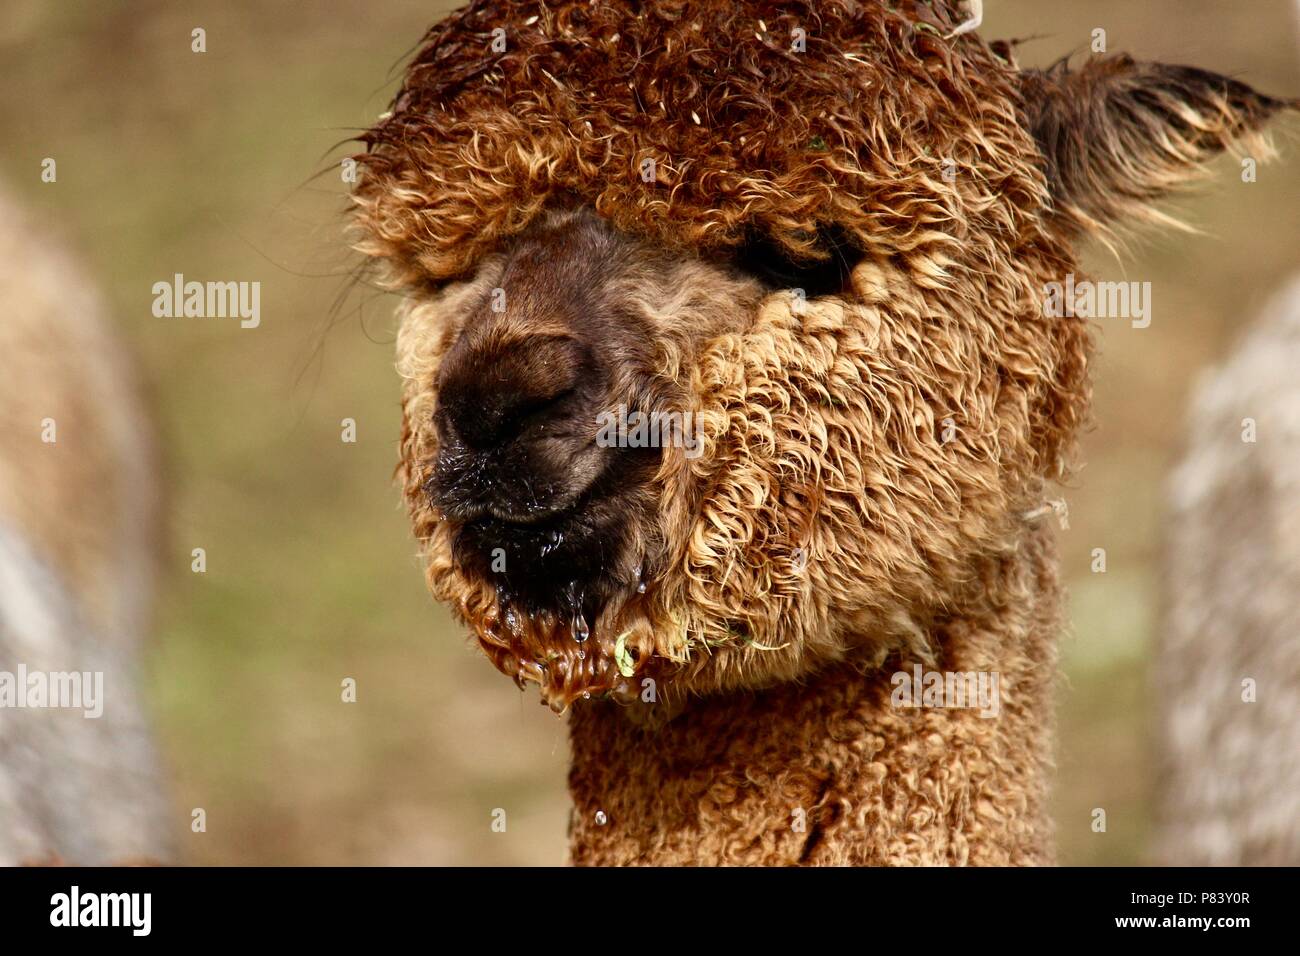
{"x": 874, "y": 455}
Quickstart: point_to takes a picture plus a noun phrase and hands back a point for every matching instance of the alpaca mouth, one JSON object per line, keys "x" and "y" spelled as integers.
{"x": 468, "y": 488}
{"x": 506, "y": 516}
{"x": 565, "y": 588}
{"x": 540, "y": 563}
{"x": 532, "y": 537}
{"x": 558, "y": 558}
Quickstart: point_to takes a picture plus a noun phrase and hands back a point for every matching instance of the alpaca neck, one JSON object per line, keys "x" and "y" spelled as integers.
{"x": 838, "y": 769}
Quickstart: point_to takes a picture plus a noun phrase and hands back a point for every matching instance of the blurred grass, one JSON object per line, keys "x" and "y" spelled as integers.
{"x": 171, "y": 161}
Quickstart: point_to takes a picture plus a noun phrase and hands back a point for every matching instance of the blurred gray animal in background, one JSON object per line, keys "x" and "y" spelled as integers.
{"x": 1227, "y": 671}
{"x": 78, "y": 544}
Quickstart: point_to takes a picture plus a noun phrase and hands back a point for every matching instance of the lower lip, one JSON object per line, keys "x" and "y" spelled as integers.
{"x": 536, "y": 516}
{"x": 538, "y": 539}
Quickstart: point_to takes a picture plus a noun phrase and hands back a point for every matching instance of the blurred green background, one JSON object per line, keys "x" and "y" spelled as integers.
{"x": 171, "y": 161}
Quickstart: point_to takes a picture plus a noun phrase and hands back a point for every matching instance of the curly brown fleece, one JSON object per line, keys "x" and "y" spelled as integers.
{"x": 828, "y": 772}
{"x": 869, "y": 456}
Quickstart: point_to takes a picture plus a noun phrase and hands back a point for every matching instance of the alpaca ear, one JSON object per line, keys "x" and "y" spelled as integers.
{"x": 1117, "y": 135}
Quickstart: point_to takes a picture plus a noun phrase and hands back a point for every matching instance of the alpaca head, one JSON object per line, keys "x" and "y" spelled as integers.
{"x": 724, "y": 349}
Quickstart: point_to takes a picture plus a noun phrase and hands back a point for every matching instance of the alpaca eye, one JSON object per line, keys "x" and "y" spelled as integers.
{"x": 771, "y": 264}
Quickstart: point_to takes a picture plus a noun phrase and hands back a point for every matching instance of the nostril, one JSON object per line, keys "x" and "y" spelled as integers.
{"x": 492, "y": 421}
{"x": 489, "y": 396}
{"x": 536, "y": 409}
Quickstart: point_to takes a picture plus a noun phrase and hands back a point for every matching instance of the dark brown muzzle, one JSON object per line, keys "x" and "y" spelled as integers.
{"x": 516, "y": 426}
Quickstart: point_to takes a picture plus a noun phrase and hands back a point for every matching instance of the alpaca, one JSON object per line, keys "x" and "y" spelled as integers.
{"x": 78, "y": 783}
{"x": 1228, "y": 753}
{"x": 824, "y": 230}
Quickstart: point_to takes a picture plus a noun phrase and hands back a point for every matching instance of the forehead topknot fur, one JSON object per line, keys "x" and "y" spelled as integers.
{"x": 694, "y": 124}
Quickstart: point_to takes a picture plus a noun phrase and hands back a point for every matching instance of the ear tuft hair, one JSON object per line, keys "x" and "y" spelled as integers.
{"x": 1118, "y": 135}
